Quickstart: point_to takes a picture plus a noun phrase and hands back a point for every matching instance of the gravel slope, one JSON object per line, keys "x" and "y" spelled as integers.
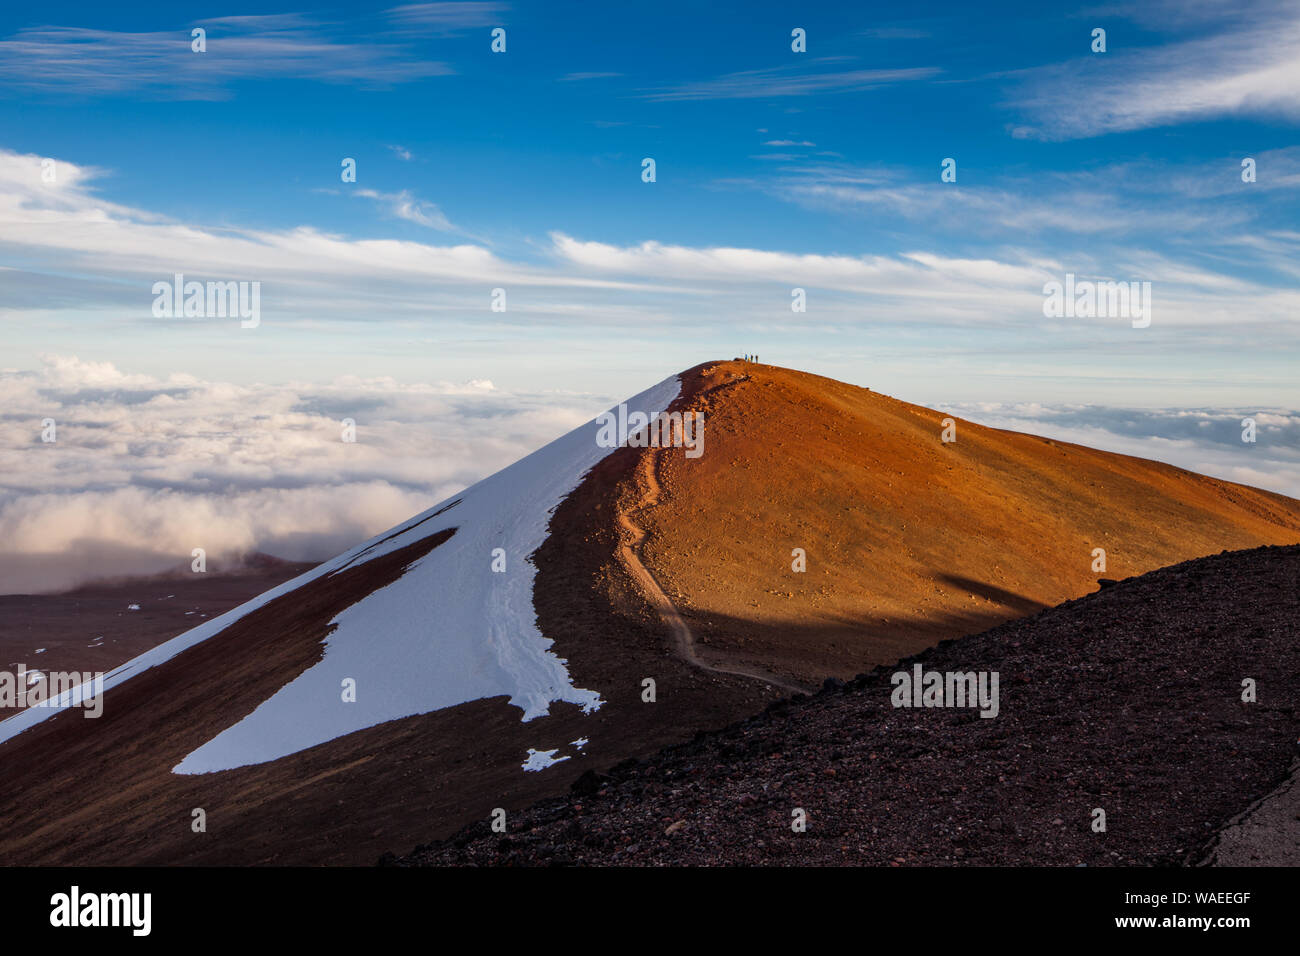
{"x": 1127, "y": 700}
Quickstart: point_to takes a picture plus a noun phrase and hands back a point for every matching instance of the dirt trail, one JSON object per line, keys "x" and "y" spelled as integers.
{"x": 633, "y": 540}
{"x": 907, "y": 540}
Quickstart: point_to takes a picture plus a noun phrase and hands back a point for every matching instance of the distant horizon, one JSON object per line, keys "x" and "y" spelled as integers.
{"x": 315, "y": 497}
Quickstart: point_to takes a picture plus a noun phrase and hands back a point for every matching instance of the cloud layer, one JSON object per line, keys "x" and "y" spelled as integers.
{"x": 144, "y": 470}
{"x": 1205, "y": 440}
{"x": 63, "y": 228}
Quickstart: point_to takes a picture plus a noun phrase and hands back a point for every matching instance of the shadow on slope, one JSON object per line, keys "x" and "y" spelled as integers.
{"x": 1128, "y": 701}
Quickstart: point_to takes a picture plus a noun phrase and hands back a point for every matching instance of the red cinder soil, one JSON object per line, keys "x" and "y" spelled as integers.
{"x": 909, "y": 540}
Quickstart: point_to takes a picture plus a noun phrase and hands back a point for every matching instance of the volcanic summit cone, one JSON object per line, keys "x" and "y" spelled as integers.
{"x": 586, "y": 605}
{"x": 907, "y": 539}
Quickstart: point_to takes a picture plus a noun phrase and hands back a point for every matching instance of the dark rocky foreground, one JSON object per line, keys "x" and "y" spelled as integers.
{"x": 1128, "y": 700}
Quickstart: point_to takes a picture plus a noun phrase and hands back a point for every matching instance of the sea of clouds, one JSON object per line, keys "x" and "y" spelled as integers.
{"x": 145, "y": 469}
{"x": 1204, "y": 440}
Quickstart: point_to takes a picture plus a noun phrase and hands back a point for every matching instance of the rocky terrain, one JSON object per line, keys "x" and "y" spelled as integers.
{"x": 1128, "y": 701}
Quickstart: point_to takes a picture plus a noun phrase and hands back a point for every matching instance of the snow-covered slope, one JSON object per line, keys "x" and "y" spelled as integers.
{"x": 449, "y": 630}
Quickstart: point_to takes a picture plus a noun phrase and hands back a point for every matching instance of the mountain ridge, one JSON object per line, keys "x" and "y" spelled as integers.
{"x": 439, "y": 769}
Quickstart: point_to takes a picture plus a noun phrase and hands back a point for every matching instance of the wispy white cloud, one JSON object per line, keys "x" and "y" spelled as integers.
{"x": 88, "y": 62}
{"x": 76, "y": 232}
{"x": 576, "y": 77}
{"x": 1138, "y": 202}
{"x": 78, "y": 249}
{"x": 991, "y": 208}
{"x": 789, "y": 81}
{"x": 1242, "y": 60}
{"x": 910, "y": 275}
{"x": 448, "y": 18}
{"x": 403, "y": 205}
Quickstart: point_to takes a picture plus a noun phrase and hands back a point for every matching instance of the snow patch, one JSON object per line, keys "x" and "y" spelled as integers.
{"x": 477, "y": 638}
{"x": 541, "y": 759}
{"x": 450, "y": 630}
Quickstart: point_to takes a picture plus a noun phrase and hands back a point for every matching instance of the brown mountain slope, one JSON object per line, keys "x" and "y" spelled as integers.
{"x": 92, "y": 628}
{"x": 113, "y": 799}
{"x": 862, "y": 482}
{"x": 909, "y": 540}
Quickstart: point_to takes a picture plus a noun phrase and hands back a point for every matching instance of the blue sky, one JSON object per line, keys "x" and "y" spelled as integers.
{"x": 521, "y": 170}
{"x": 1122, "y": 165}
